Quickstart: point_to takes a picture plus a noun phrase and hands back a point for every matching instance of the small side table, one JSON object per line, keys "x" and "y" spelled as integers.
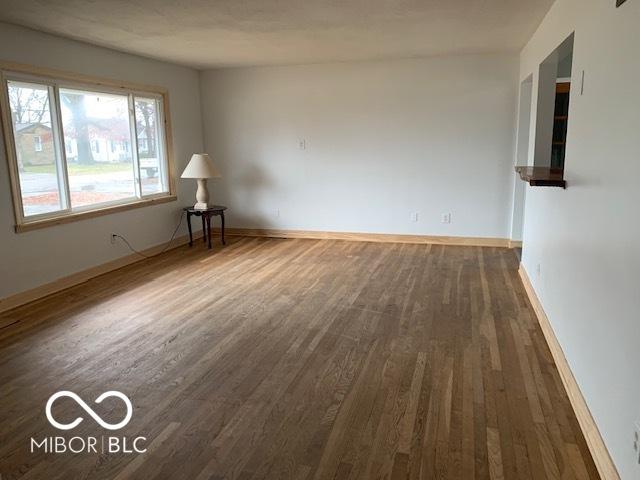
{"x": 215, "y": 210}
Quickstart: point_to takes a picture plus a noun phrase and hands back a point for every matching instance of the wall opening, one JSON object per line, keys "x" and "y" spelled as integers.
{"x": 552, "y": 119}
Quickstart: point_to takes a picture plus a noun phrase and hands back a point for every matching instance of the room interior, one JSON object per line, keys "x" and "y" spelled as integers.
{"x": 272, "y": 239}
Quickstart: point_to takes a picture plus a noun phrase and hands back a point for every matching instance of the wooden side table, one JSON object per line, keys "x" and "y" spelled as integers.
{"x": 215, "y": 210}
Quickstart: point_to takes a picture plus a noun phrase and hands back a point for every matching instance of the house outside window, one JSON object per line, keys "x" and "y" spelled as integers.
{"x": 37, "y": 143}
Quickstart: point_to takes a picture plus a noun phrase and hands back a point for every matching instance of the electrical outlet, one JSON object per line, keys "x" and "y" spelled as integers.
{"x": 113, "y": 239}
{"x": 414, "y": 217}
{"x": 446, "y": 218}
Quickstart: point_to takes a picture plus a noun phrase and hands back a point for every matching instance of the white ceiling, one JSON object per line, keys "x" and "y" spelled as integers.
{"x": 216, "y": 33}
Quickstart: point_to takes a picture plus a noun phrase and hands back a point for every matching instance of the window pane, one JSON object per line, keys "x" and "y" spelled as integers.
{"x": 92, "y": 122}
{"x": 35, "y": 148}
{"x": 150, "y": 155}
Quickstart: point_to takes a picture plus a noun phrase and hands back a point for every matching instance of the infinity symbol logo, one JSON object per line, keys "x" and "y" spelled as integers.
{"x": 87, "y": 408}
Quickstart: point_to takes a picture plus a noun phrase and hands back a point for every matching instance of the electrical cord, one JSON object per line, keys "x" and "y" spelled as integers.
{"x": 166, "y": 247}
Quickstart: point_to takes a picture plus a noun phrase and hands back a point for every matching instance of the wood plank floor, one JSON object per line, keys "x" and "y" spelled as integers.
{"x": 296, "y": 359}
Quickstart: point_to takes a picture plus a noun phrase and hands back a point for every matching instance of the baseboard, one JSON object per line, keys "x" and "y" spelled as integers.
{"x": 63, "y": 283}
{"x": 598, "y": 449}
{"x": 515, "y": 243}
{"x": 368, "y": 237}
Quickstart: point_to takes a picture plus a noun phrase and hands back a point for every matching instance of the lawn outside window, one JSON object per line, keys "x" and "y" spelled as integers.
{"x": 79, "y": 147}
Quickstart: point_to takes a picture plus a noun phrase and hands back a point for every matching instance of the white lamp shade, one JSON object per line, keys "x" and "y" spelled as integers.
{"x": 201, "y": 166}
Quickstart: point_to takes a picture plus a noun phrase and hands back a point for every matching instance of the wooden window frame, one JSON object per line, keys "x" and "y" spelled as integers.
{"x": 86, "y": 82}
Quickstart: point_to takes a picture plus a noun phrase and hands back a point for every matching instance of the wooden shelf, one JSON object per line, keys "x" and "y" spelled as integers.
{"x": 542, "y": 176}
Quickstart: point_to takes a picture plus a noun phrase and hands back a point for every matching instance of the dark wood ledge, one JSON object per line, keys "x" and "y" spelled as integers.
{"x": 542, "y": 176}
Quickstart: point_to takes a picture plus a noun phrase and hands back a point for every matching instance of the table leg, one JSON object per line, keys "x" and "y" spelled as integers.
{"x": 190, "y": 232}
{"x": 209, "y": 229}
{"x": 204, "y": 229}
{"x": 222, "y": 227}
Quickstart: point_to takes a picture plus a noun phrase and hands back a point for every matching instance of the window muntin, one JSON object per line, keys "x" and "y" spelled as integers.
{"x": 58, "y": 185}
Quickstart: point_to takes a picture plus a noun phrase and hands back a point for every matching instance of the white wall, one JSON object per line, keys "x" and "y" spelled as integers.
{"x": 384, "y": 140}
{"x": 34, "y": 258}
{"x": 586, "y": 238}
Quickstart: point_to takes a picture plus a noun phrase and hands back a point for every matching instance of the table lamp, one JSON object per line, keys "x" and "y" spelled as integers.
{"x": 201, "y": 167}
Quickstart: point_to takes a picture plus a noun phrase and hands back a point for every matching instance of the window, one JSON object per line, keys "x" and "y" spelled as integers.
{"x": 92, "y": 120}
{"x": 39, "y": 172}
{"x": 83, "y": 147}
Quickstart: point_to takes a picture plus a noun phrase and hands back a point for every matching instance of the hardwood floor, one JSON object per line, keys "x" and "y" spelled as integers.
{"x": 300, "y": 359}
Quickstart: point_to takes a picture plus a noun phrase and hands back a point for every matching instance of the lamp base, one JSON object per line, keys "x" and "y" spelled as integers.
{"x": 202, "y": 195}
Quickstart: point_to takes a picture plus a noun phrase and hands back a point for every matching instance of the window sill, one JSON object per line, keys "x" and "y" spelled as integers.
{"x": 542, "y": 176}
{"x": 77, "y": 216}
